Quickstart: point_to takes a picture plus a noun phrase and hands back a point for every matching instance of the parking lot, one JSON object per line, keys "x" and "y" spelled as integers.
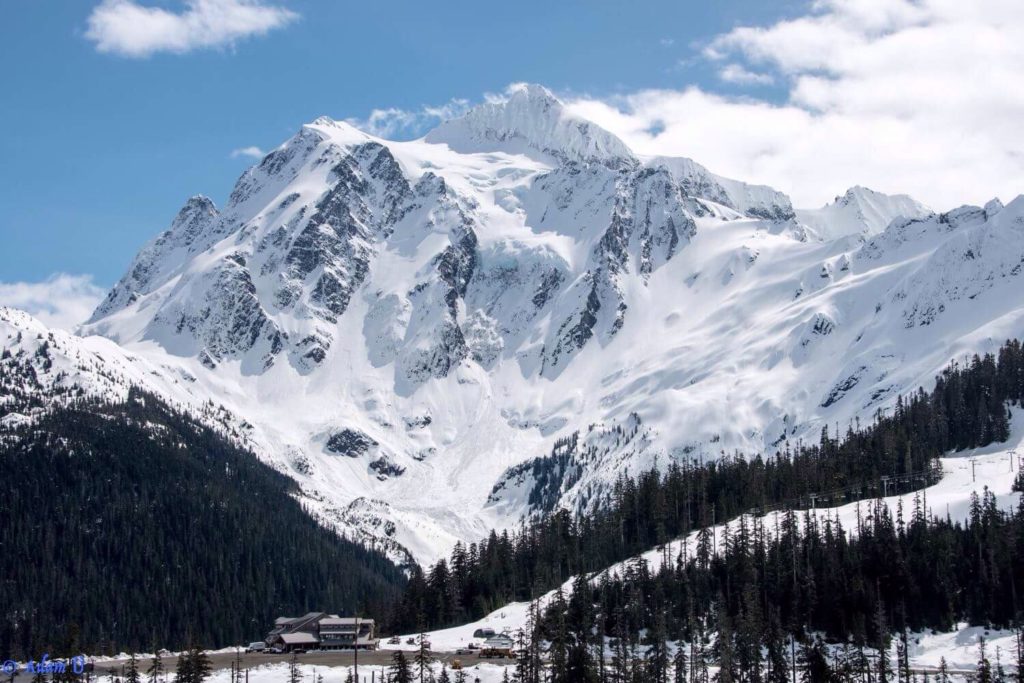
{"x": 328, "y": 658}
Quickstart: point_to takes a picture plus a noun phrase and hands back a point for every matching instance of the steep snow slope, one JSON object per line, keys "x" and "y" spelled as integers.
{"x": 771, "y": 338}
{"x": 403, "y": 325}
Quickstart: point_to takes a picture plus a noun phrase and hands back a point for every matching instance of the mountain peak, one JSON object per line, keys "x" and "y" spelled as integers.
{"x": 194, "y": 216}
{"x": 341, "y": 132}
{"x": 530, "y": 117}
{"x": 853, "y": 194}
{"x": 198, "y": 202}
{"x": 533, "y": 92}
{"x": 861, "y": 211}
{"x": 993, "y": 207}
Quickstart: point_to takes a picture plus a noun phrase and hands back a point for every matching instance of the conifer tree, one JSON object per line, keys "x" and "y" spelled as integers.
{"x": 621, "y": 664}
{"x": 131, "y": 673}
{"x": 999, "y": 675}
{"x": 679, "y": 673}
{"x": 581, "y": 624}
{"x": 701, "y": 661}
{"x": 156, "y": 667}
{"x": 814, "y": 663}
{"x": 724, "y": 647}
{"x": 522, "y": 656}
{"x": 400, "y": 671}
{"x": 698, "y": 651}
{"x": 658, "y": 668}
{"x": 983, "y": 674}
{"x": 883, "y": 670}
{"x": 534, "y": 667}
{"x": 423, "y": 659}
{"x": 778, "y": 667}
{"x": 199, "y": 665}
{"x": 1020, "y": 645}
{"x": 184, "y": 671}
{"x": 903, "y": 655}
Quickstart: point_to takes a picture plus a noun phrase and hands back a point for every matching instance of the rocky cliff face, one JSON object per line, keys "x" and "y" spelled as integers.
{"x": 518, "y": 281}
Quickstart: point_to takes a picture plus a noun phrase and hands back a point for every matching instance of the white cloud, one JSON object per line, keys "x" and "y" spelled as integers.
{"x": 62, "y": 300}
{"x": 129, "y": 29}
{"x": 916, "y": 96}
{"x": 252, "y": 152}
{"x": 401, "y": 123}
{"x": 740, "y": 75}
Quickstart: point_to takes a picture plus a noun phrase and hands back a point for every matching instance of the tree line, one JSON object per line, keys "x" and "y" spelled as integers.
{"x": 767, "y": 606}
{"x": 130, "y": 526}
{"x": 897, "y": 452}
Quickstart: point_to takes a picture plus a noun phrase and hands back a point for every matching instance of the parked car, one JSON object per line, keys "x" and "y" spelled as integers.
{"x": 299, "y": 650}
{"x": 464, "y": 651}
{"x": 474, "y": 646}
{"x": 276, "y": 651}
{"x": 394, "y": 640}
{"x": 256, "y": 646}
{"x": 410, "y": 641}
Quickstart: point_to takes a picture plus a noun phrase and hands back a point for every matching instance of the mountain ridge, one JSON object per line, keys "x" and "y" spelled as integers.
{"x": 456, "y": 311}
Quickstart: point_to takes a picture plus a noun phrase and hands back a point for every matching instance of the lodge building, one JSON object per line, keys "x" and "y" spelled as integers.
{"x": 322, "y": 631}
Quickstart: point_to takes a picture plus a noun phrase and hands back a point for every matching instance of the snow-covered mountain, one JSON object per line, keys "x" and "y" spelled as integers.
{"x": 860, "y": 212}
{"x": 405, "y": 326}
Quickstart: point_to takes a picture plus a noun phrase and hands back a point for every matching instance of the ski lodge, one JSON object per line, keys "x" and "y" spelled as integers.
{"x": 322, "y": 631}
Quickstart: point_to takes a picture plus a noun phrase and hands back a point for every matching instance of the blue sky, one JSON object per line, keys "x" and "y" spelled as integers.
{"x": 110, "y": 127}
{"x": 102, "y": 149}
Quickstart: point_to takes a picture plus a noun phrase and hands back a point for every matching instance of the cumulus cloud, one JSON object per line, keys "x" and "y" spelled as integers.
{"x": 740, "y": 75}
{"x": 62, "y": 300}
{"x": 252, "y": 152}
{"x": 915, "y": 96}
{"x": 126, "y": 28}
{"x": 402, "y": 123}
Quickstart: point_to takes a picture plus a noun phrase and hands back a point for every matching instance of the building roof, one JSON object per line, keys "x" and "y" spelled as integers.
{"x": 299, "y": 639}
{"x": 344, "y": 621}
{"x": 500, "y": 641}
{"x": 291, "y": 624}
